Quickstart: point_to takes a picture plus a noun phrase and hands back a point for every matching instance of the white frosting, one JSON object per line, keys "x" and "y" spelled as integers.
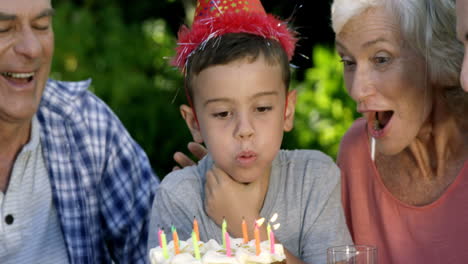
{"x": 213, "y": 253}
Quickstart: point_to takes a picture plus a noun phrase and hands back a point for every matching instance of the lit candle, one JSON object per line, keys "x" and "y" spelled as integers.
{"x": 159, "y": 237}
{"x": 260, "y": 221}
{"x": 228, "y": 244}
{"x": 223, "y": 229}
{"x": 268, "y": 231}
{"x": 195, "y": 228}
{"x": 272, "y": 242}
{"x": 245, "y": 235}
{"x": 274, "y": 217}
{"x": 257, "y": 240}
{"x": 196, "y": 249}
{"x": 164, "y": 245}
{"x": 175, "y": 239}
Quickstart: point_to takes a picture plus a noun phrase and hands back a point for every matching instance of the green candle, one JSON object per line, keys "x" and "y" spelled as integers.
{"x": 196, "y": 249}
{"x": 223, "y": 228}
{"x": 268, "y": 231}
{"x": 164, "y": 245}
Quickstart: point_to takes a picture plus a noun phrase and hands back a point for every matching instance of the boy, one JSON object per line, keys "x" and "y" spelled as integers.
{"x": 237, "y": 85}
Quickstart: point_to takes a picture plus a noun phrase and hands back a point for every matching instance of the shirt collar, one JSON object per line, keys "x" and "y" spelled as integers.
{"x": 34, "y": 138}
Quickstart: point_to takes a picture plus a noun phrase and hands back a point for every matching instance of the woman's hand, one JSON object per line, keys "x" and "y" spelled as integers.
{"x": 198, "y": 150}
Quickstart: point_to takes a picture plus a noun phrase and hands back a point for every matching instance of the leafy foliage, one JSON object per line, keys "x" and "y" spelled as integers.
{"x": 130, "y": 70}
{"x": 324, "y": 111}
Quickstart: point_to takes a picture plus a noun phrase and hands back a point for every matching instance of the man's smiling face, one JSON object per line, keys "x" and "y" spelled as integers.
{"x": 26, "y": 49}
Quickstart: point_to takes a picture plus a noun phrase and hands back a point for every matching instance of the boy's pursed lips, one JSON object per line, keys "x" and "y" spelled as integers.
{"x": 246, "y": 157}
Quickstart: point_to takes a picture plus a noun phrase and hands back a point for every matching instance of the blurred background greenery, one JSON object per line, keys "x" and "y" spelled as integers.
{"x": 125, "y": 46}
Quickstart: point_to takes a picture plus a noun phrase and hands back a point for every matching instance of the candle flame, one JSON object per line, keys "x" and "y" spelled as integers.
{"x": 274, "y": 217}
{"x": 276, "y": 226}
{"x": 260, "y": 221}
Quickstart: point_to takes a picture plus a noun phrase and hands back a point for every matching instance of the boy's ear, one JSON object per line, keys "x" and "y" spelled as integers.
{"x": 289, "y": 111}
{"x": 189, "y": 116}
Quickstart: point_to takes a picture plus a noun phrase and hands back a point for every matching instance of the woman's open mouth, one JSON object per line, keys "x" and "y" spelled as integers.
{"x": 380, "y": 121}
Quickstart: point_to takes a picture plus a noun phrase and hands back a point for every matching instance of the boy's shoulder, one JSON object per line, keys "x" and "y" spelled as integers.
{"x": 305, "y": 156}
{"x": 307, "y": 168}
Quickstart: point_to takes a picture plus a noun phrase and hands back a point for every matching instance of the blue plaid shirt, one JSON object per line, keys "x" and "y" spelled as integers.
{"x": 102, "y": 183}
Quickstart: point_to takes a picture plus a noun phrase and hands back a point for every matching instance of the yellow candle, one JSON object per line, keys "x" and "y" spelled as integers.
{"x": 268, "y": 231}
{"x": 196, "y": 249}
{"x": 245, "y": 235}
{"x": 164, "y": 245}
{"x": 223, "y": 230}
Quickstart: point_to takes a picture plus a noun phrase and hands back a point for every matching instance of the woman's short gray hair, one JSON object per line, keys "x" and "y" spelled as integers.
{"x": 427, "y": 26}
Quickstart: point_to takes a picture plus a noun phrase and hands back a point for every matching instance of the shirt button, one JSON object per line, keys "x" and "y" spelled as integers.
{"x": 9, "y": 219}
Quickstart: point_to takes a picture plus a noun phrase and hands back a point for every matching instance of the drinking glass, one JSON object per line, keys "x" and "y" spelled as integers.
{"x": 352, "y": 254}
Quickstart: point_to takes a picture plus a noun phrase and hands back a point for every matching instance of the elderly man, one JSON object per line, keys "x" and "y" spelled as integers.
{"x": 462, "y": 33}
{"x": 74, "y": 186}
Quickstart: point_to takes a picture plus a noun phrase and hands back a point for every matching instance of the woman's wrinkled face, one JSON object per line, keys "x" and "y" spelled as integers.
{"x": 386, "y": 78}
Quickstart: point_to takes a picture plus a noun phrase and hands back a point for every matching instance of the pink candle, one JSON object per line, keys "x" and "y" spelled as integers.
{"x": 272, "y": 242}
{"x": 159, "y": 237}
{"x": 228, "y": 244}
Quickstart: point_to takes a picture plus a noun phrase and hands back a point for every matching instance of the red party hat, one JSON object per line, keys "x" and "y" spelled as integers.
{"x": 212, "y": 8}
{"x": 214, "y": 18}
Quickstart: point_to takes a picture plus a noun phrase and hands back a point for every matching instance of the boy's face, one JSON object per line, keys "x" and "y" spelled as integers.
{"x": 241, "y": 114}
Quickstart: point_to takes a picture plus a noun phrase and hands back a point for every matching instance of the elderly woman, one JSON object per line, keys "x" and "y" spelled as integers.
{"x": 408, "y": 195}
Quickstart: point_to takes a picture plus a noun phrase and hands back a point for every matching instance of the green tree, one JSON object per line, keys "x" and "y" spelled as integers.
{"x": 129, "y": 66}
{"x": 324, "y": 111}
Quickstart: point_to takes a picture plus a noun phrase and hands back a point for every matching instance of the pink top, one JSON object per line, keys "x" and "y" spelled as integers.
{"x": 435, "y": 233}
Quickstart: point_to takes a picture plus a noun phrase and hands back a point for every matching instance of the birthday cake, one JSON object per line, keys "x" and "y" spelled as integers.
{"x": 213, "y": 253}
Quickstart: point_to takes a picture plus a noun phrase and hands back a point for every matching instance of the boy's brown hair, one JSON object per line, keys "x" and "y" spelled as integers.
{"x": 230, "y": 47}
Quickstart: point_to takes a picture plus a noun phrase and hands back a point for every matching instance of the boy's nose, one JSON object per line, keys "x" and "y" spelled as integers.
{"x": 246, "y": 134}
{"x": 244, "y": 128}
